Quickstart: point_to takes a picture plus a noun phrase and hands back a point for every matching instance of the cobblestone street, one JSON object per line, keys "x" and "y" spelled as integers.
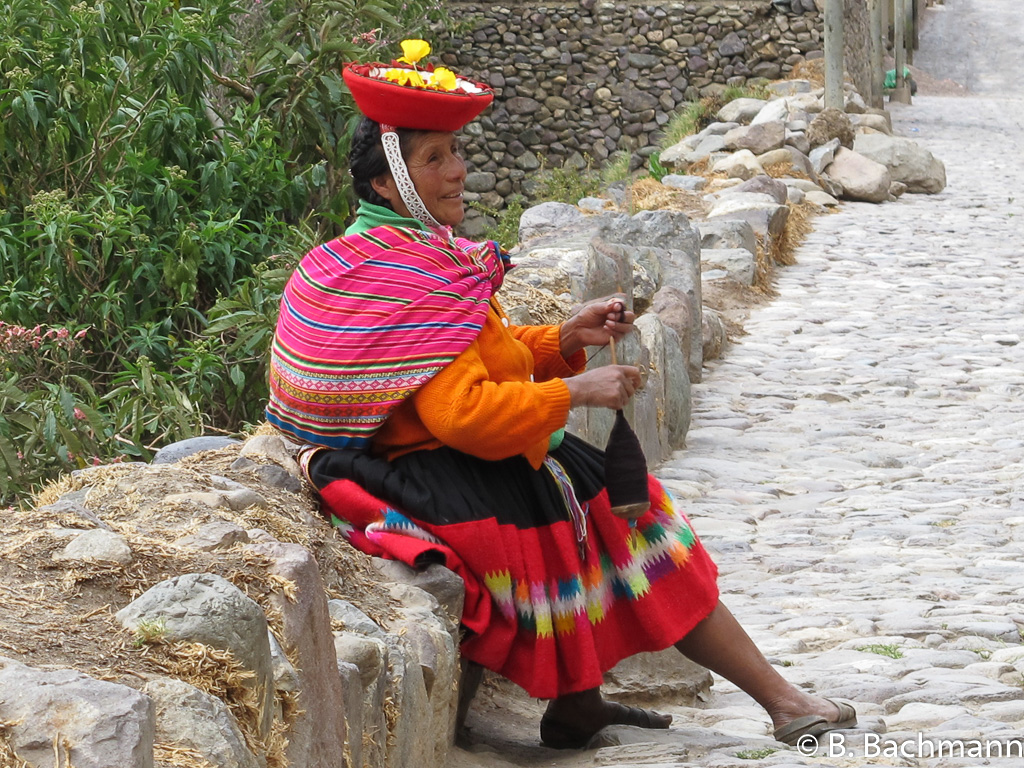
{"x": 856, "y": 461}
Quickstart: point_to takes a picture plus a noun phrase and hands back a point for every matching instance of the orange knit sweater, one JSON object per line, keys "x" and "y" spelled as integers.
{"x": 502, "y": 397}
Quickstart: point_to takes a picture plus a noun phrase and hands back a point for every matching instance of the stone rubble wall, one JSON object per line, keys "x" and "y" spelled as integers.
{"x": 579, "y": 81}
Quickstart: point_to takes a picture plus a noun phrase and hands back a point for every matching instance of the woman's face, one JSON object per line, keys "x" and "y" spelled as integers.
{"x": 438, "y": 171}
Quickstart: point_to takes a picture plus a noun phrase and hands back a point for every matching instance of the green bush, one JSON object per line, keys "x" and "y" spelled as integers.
{"x": 656, "y": 169}
{"x": 161, "y": 167}
{"x": 566, "y": 184}
{"x": 694, "y": 116}
{"x": 505, "y": 232}
{"x": 616, "y": 169}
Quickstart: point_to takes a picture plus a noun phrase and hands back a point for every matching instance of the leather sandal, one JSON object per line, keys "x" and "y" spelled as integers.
{"x": 814, "y": 725}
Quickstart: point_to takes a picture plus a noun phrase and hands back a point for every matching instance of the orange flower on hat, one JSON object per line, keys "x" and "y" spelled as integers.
{"x": 414, "y": 50}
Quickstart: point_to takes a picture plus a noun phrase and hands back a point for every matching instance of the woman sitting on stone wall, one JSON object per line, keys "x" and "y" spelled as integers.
{"x": 435, "y": 434}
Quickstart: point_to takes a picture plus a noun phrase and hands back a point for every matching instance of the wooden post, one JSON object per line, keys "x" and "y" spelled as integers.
{"x": 877, "y": 53}
{"x": 886, "y": 17}
{"x": 834, "y": 54}
{"x": 912, "y": 19}
{"x": 901, "y": 93}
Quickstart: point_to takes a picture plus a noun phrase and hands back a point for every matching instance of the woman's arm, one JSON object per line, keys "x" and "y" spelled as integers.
{"x": 464, "y": 409}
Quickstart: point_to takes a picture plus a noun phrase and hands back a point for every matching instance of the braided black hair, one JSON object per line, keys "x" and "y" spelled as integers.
{"x": 366, "y": 159}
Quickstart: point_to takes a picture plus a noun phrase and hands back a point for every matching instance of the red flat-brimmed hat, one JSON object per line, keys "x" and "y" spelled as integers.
{"x": 427, "y": 107}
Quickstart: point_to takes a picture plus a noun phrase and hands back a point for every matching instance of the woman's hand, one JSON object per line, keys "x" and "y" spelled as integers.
{"x": 610, "y": 386}
{"x": 594, "y": 324}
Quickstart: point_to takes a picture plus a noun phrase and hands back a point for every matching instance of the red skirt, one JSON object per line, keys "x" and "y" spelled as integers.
{"x": 554, "y": 598}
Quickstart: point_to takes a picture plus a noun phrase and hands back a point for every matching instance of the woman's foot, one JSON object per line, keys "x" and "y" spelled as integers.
{"x": 571, "y": 721}
{"x": 803, "y": 715}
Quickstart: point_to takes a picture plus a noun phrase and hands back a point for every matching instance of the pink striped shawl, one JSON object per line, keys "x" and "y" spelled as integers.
{"x": 365, "y": 321}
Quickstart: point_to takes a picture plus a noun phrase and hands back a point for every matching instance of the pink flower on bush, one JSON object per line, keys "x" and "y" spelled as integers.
{"x": 366, "y": 37}
{"x": 16, "y": 338}
{"x": 80, "y": 414}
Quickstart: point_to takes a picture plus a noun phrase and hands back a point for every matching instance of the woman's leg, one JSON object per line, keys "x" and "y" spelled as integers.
{"x": 721, "y": 644}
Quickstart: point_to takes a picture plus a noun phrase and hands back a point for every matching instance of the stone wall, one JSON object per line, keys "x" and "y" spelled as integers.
{"x": 577, "y": 82}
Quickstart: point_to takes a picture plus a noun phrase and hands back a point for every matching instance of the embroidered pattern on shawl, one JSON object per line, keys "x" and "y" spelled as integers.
{"x": 365, "y": 321}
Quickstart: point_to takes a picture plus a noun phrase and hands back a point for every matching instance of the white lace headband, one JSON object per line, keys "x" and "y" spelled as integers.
{"x": 400, "y": 173}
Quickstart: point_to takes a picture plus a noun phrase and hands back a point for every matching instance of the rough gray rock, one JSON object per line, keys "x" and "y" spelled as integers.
{"x": 175, "y": 452}
{"x": 764, "y": 185}
{"x": 758, "y": 138}
{"x": 187, "y": 717}
{"x": 797, "y": 159}
{"x": 860, "y": 177}
{"x": 669, "y": 363}
{"x": 737, "y": 263}
{"x": 546, "y": 218}
{"x": 821, "y": 198}
{"x": 664, "y": 675}
{"x": 673, "y": 306}
{"x": 822, "y": 156}
{"x": 69, "y": 508}
{"x": 213, "y": 536}
{"x": 94, "y": 724}
{"x": 727, "y": 233}
{"x": 906, "y": 160}
{"x": 714, "y": 335}
{"x": 789, "y": 87}
{"x": 432, "y": 640}
{"x": 205, "y": 608}
{"x": 739, "y": 165}
{"x": 98, "y": 546}
{"x": 761, "y": 211}
{"x": 314, "y": 739}
{"x": 674, "y": 234}
{"x": 741, "y": 110}
{"x": 445, "y": 586}
{"x": 688, "y": 183}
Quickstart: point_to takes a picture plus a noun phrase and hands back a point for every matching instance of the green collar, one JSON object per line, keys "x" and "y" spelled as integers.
{"x": 369, "y": 216}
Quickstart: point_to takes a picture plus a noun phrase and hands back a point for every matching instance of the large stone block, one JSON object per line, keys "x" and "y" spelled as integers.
{"x": 727, "y": 233}
{"x": 737, "y": 263}
{"x": 906, "y": 160}
{"x": 767, "y": 217}
{"x": 317, "y": 736}
{"x": 677, "y": 243}
{"x": 208, "y": 609}
{"x": 669, "y": 379}
{"x": 65, "y": 717}
{"x": 546, "y": 218}
{"x": 860, "y": 177}
{"x": 758, "y": 138}
{"x": 190, "y": 718}
{"x": 663, "y": 676}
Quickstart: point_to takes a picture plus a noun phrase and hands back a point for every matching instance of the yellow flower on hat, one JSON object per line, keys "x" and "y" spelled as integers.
{"x": 444, "y": 79}
{"x": 405, "y": 77}
{"x": 414, "y": 50}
